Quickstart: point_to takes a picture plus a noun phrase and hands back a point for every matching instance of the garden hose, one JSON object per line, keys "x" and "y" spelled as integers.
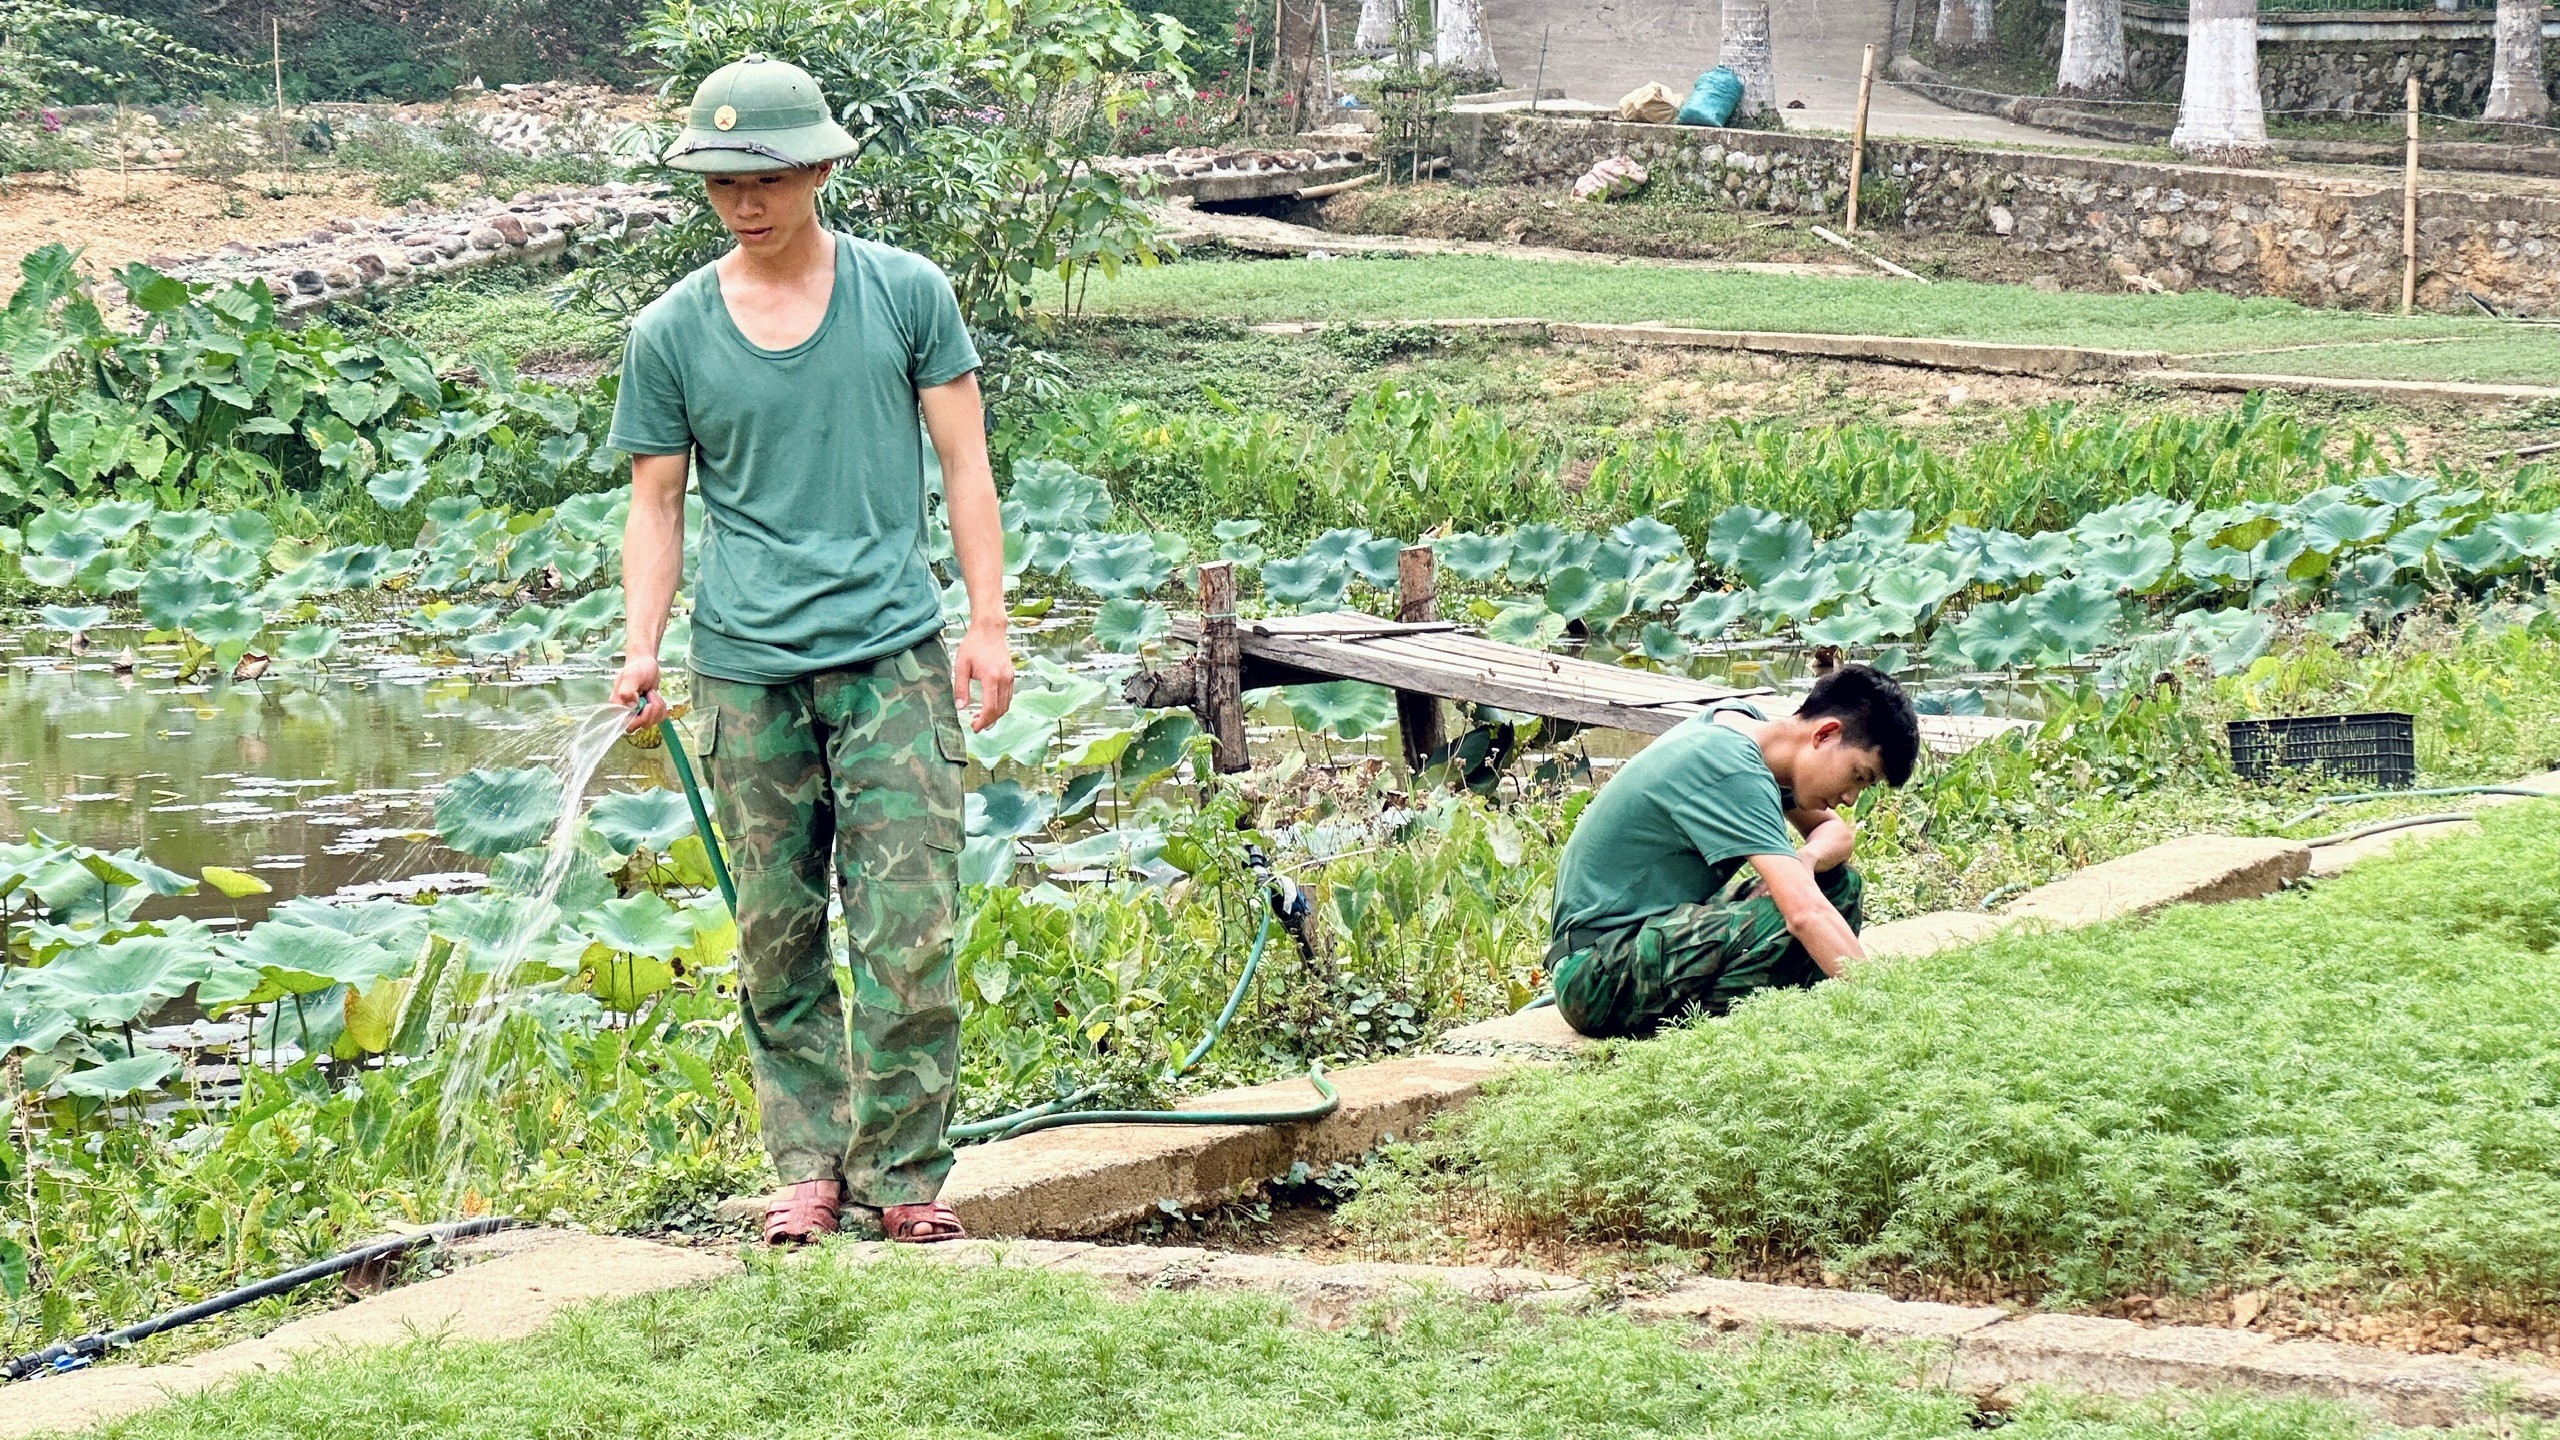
{"x": 2405, "y": 822}
{"x": 78, "y": 1354}
{"x": 1289, "y": 904}
{"x": 2362, "y": 796}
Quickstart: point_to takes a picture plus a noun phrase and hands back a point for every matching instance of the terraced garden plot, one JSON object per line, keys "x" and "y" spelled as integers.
{"x": 892, "y": 1350}
{"x": 2347, "y": 1091}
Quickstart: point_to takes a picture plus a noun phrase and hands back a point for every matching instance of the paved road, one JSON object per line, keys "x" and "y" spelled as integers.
{"x": 1601, "y": 49}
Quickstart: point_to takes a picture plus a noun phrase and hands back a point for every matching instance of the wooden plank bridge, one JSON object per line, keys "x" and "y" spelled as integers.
{"x": 1426, "y": 660}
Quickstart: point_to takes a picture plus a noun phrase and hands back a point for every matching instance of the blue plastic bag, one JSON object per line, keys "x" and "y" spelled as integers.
{"x": 1713, "y": 98}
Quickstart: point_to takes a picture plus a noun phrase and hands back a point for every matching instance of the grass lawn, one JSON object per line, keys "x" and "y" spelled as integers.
{"x": 2201, "y": 324}
{"x": 2353, "y": 1089}
{"x": 826, "y": 1349}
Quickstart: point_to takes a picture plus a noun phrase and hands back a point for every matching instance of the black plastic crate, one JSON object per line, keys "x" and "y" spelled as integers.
{"x": 2380, "y": 748}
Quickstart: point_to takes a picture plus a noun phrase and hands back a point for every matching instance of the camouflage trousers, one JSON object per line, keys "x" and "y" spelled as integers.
{"x": 851, "y": 775}
{"x": 1630, "y": 980}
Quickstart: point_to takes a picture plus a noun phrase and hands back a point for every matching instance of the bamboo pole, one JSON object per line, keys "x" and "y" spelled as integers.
{"x": 1858, "y": 134}
{"x": 2409, "y": 212}
{"x": 284, "y": 137}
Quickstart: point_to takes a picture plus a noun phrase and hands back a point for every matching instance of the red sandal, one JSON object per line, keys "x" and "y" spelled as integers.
{"x": 801, "y": 1213}
{"x": 928, "y": 1223}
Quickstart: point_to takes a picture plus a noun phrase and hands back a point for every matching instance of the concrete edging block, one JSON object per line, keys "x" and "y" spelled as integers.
{"x": 2195, "y": 870}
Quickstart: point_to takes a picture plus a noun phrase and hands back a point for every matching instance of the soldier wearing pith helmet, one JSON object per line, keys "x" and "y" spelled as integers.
{"x": 785, "y": 379}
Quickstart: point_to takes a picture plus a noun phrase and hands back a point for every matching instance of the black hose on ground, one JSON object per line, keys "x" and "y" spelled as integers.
{"x": 77, "y": 1354}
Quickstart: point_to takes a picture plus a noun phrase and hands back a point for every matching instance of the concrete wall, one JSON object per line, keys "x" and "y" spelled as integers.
{"x": 2322, "y": 240}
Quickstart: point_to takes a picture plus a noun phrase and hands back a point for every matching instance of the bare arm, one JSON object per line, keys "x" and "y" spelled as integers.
{"x": 1828, "y": 838}
{"x": 1810, "y": 916}
{"x": 952, "y": 415}
{"x": 652, "y": 564}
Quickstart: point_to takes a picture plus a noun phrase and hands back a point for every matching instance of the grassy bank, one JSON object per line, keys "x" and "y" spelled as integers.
{"x": 2346, "y": 1090}
{"x": 2208, "y": 327}
{"x": 906, "y": 1349}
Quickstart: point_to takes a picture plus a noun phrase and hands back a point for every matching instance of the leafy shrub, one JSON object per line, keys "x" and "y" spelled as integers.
{"x": 979, "y": 128}
{"x": 55, "y": 51}
{"x": 2345, "y": 1087}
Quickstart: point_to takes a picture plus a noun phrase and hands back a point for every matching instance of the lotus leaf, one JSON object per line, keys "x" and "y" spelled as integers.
{"x": 641, "y": 924}
{"x": 2126, "y": 562}
{"x": 1649, "y": 540}
{"x": 171, "y": 597}
{"x": 1707, "y": 618}
{"x": 119, "y": 1078}
{"x": 1308, "y": 582}
{"x": 1337, "y": 544}
{"x": 2077, "y": 616}
{"x": 1997, "y": 635}
{"x": 1059, "y": 694}
{"x": 1661, "y": 584}
{"x": 2238, "y": 644}
{"x": 115, "y": 519}
{"x": 2477, "y": 551}
{"x": 371, "y": 1014}
{"x": 491, "y": 925}
{"x": 597, "y": 610}
{"x": 1021, "y": 736}
{"x": 1008, "y": 809}
{"x": 1661, "y": 644}
{"x": 1534, "y": 552}
{"x": 1852, "y": 624}
{"x": 1048, "y": 495}
{"x": 1793, "y": 597}
{"x": 1347, "y": 708}
{"x": 2533, "y": 535}
{"x": 2131, "y": 519}
{"x": 181, "y": 529}
{"x": 632, "y": 820}
{"x": 1757, "y": 545}
{"x": 456, "y": 619}
{"x": 1531, "y": 626}
{"x": 1375, "y": 561}
{"x": 247, "y": 529}
{"x": 505, "y": 642}
{"x": 1889, "y": 527}
{"x": 1911, "y": 587}
{"x": 2204, "y": 561}
{"x": 27, "y": 1023}
{"x": 490, "y": 812}
{"x": 225, "y": 565}
{"x": 307, "y": 646}
{"x": 2433, "y": 506}
{"x": 1160, "y": 746}
{"x": 236, "y": 884}
{"x": 119, "y": 981}
{"x": 2395, "y": 490}
{"x": 2012, "y": 558}
{"x": 1574, "y": 593}
{"x": 1474, "y": 557}
{"x": 2327, "y": 529}
{"x": 306, "y": 959}
{"x": 1125, "y": 626}
{"x": 1236, "y": 529}
{"x": 228, "y": 623}
{"x": 1114, "y": 566}
{"x": 393, "y": 489}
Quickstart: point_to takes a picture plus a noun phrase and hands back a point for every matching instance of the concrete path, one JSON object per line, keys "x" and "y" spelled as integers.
{"x": 1601, "y": 49}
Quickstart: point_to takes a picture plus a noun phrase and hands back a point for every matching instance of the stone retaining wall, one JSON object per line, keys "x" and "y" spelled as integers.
{"x": 2321, "y": 240}
{"x": 350, "y": 257}
{"x": 2328, "y": 63}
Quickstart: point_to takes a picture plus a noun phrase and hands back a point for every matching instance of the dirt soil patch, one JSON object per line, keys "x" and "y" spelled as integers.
{"x": 115, "y": 219}
{"x": 1663, "y": 222}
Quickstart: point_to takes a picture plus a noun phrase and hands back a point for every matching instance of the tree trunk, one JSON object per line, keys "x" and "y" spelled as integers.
{"x": 1377, "y": 33}
{"x": 2517, "y": 90}
{"x": 1458, "y": 40}
{"x": 1964, "y": 24}
{"x": 2221, "y": 121}
{"x": 2092, "y": 48}
{"x": 1746, "y": 53}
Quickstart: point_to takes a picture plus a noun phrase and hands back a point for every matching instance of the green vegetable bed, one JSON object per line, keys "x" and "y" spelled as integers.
{"x": 2352, "y": 1088}
{"x": 828, "y": 1349}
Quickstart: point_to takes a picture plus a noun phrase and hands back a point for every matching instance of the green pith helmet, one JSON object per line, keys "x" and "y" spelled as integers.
{"x": 757, "y": 115}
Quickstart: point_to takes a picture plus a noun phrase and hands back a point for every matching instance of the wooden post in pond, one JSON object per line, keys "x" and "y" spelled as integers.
{"x": 1418, "y": 598}
{"x": 1222, "y": 667}
{"x": 1858, "y": 135}
{"x": 2409, "y": 212}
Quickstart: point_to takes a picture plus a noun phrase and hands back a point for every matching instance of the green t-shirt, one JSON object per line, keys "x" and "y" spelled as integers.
{"x": 1670, "y": 828}
{"x": 810, "y": 462}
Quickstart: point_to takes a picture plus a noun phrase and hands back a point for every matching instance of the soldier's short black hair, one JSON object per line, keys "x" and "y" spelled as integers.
{"x": 1873, "y": 713}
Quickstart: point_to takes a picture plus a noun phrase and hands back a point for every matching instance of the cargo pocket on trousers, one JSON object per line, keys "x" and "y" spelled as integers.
{"x": 953, "y": 743}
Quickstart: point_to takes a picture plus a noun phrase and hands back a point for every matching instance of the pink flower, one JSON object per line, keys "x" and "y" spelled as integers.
{"x": 52, "y": 122}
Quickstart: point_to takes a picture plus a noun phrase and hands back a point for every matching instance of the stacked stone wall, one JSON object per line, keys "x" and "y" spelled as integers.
{"x": 2321, "y": 240}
